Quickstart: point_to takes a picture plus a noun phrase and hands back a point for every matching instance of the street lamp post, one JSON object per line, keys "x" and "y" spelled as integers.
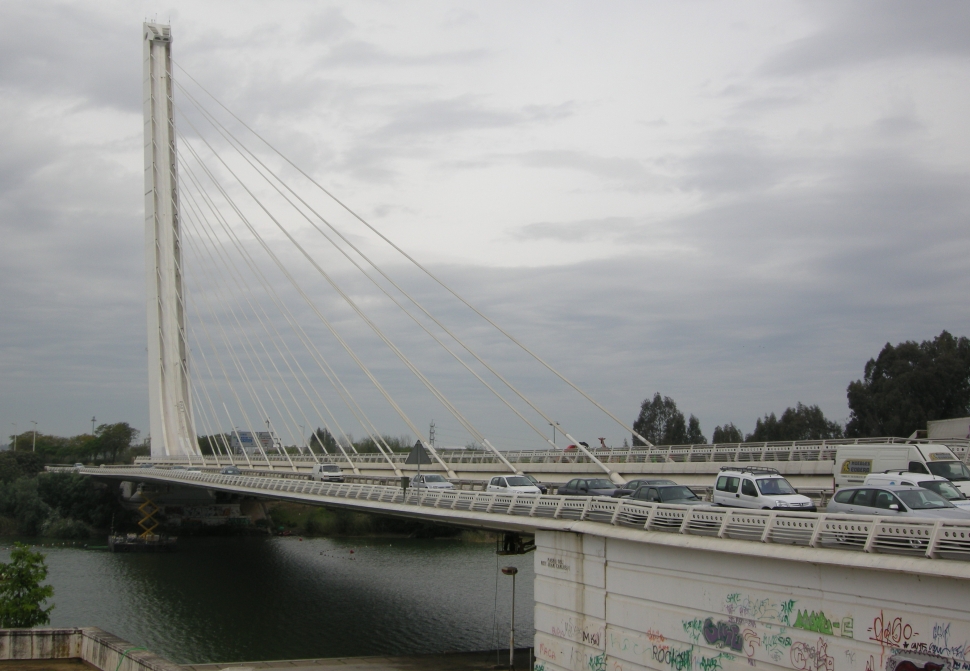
{"x": 33, "y": 448}
{"x": 511, "y": 570}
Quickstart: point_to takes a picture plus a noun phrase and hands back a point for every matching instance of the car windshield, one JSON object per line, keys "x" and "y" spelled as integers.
{"x": 331, "y": 468}
{"x": 531, "y": 478}
{"x": 676, "y": 493}
{"x": 775, "y": 486}
{"x": 923, "y": 499}
{"x": 944, "y": 489}
{"x": 951, "y": 470}
{"x": 519, "y": 482}
{"x": 600, "y": 484}
{"x": 434, "y": 478}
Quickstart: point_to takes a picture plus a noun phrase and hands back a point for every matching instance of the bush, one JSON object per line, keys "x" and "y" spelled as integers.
{"x": 65, "y": 528}
{"x": 21, "y": 592}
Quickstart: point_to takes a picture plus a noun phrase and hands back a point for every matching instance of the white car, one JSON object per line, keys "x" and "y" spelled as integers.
{"x": 512, "y": 484}
{"x": 753, "y": 487}
{"x": 431, "y": 481}
{"x": 934, "y": 483}
{"x": 327, "y": 473}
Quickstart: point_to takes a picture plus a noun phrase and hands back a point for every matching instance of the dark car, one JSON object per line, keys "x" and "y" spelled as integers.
{"x": 675, "y": 494}
{"x": 230, "y": 470}
{"x": 634, "y": 485}
{"x": 592, "y": 487}
{"x": 542, "y": 488}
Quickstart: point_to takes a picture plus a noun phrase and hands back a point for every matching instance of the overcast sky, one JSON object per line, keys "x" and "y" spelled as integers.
{"x": 735, "y": 204}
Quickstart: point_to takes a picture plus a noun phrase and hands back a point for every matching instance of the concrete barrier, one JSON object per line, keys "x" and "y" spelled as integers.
{"x": 609, "y": 604}
{"x": 89, "y": 644}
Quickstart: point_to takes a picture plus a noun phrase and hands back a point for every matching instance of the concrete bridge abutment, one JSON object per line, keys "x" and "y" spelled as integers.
{"x": 624, "y": 605}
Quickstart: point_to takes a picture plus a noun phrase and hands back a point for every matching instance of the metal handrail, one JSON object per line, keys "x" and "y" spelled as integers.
{"x": 918, "y": 537}
{"x": 801, "y": 450}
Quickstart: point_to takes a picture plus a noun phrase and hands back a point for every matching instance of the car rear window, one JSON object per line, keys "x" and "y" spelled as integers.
{"x": 844, "y": 496}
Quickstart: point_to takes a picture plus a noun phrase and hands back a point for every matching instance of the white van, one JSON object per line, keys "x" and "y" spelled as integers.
{"x": 756, "y": 487}
{"x": 854, "y": 462}
{"x": 934, "y": 483}
{"x": 327, "y": 472}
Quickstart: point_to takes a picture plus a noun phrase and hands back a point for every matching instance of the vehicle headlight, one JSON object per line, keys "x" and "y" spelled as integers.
{"x": 781, "y": 504}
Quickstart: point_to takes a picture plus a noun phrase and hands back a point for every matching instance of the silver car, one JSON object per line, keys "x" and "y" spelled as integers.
{"x": 431, "y": 481}
{"x": 895, "y": 501}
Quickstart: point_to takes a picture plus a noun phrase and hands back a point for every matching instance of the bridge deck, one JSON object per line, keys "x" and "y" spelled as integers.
{"x": 904, "y": 544}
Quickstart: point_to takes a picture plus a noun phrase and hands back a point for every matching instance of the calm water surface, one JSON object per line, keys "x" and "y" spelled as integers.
{"x": 239, "y": 599}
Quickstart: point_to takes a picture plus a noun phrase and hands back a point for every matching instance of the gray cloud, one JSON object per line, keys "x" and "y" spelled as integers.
{"x": 854, "y": 33}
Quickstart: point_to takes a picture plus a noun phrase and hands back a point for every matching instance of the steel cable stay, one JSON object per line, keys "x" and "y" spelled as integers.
{"x": 233, "y": 141}
{"x": 354, "y": 306}
{"x": 241, "y": 373}
{"x": 289, "y": 276}
{"x": 311, "y": 348}
{"x": 276, "y": 339}
{"x": 268, "y": 288}
{"x": 226, "y": 134}
{"x": 243, "y": 340}
{"x": 416, "y": 263}
{"x": 247, "y": 293}
{"x": 251, "y": 353}
{"x": 339, "y": 387}
{"x": 200, "y": 223}
{"x": 207, "y": 425}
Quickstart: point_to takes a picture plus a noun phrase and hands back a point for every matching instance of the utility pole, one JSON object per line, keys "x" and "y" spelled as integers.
{"x": 511, "y": 570}
{"x": 33, "y": 448}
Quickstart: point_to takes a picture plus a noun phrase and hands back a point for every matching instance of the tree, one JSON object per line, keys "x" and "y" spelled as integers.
{"x": 323, "y": 440}
{"x": 21, "y": 592}
{"x": 727, "y": 434}
{"x": 910, "y": 384}
{"x": 114, "y": 439}
{"x": 803, "y": 422}
{"x": 662, "y": 423}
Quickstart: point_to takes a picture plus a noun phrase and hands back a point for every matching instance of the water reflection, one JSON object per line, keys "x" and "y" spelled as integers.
{"x": 219, "y": 600}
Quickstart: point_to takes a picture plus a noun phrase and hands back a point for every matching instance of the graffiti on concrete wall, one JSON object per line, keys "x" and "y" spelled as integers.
{"x": 812, "y": 656}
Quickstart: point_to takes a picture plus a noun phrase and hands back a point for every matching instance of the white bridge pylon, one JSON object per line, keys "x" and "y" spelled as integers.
{"x": 217, "y": 202}
{"x": 172, "y": 424}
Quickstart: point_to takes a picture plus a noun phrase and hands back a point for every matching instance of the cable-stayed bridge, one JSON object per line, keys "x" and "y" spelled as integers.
{"x": 274, "y": 308}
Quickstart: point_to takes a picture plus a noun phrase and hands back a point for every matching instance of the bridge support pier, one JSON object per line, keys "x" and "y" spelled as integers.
{"x": 627, "y": 605}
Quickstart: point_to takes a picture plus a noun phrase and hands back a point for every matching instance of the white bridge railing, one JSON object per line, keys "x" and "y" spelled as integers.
{"x": 933, "y": 539}
{"x": 805, "y": 450}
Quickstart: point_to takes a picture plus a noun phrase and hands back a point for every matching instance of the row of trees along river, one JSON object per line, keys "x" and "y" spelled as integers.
{"x": 903, "y": 387}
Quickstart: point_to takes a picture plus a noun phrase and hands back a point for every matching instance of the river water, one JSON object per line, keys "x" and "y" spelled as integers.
{"x": 248, "y": 599}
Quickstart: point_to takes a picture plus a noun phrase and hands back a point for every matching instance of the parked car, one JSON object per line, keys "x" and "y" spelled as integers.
{"x": 634, "y": 485}
{"x": 327, "y": 473}
{"x": 230, "y": 470}
{"x": 592, "y": 487}
{"x": 78, "y": 466}
{"x": 755, "y": 487}
{"x": 934, "y": 483}
{"x": 894, "y": 500}
{"x": 675, "y": 494}
{"x": 512, "y": 484}
{"x": 542, "y": 488}
{"x": 431, "y": 481}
